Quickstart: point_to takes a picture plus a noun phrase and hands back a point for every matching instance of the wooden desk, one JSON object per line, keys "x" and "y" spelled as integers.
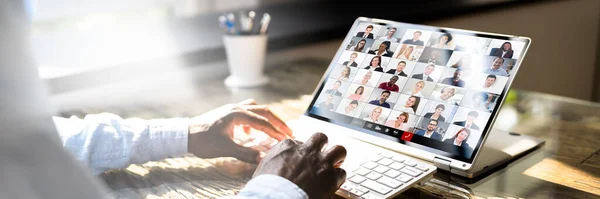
{"x": 566, "y": 167}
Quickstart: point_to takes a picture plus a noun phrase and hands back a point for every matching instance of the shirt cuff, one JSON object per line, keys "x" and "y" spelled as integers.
{"x": 272, "y": 186}
{"x": 168, "y": 137}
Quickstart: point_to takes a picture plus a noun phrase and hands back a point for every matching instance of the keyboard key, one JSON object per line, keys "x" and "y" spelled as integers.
{"x": 362, "y": 171}
{"x": 422, "y": 168}
{"x": 413, "y": 170}
{"x": 371, "y": 196}
{"x": 364, "y": 190}
{"x": 410, "y": 172}
{"x": 369, "y": 165}
{"x": 410, "y": 163}
{"x": 398, "y": 158}
{"x": 357, "y": 192}
{"x": 381, "y": 169}
{"x": 397, "y": 166}
{"x": 357, "y": 179}
{"x": 385, "y": 161}
{"x": 404, "y": 178}
{"x": 376, "y": 158}
{"x": 379, "y": 188}
{"x": 347, "y": 187}
{"x": 389, "y": 182}
{"x": 373, "y": 176}
{"x": 386, "y": 154}
{"x": 392, "y": 173}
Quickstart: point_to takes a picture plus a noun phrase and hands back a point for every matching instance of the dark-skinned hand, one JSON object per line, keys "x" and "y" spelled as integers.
{"x": 316, "y": 172}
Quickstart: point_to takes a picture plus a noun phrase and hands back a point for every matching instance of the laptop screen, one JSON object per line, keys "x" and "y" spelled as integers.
{"x": 434, "y": 88}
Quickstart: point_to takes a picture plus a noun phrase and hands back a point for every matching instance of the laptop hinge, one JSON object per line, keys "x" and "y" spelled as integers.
{"x": 441, "y": 163}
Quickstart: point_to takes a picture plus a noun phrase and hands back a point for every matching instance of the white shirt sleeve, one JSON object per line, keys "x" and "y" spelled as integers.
{"x": 270, "y": 186}
{"x": 106, "y": 141}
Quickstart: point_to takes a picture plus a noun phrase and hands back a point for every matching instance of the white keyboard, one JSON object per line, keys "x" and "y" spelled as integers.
{"x": 383, "y": 175}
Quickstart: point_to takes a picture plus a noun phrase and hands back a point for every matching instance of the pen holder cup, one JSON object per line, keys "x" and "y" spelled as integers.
{"x": 246, "y": 60}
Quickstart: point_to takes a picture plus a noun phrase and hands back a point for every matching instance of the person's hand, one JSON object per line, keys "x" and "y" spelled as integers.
{"x": 211, "y": 134}
{"x": 317, "y": 173}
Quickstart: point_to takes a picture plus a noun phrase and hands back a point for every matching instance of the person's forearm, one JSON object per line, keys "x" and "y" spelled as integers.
{"x": 106, "y": 141}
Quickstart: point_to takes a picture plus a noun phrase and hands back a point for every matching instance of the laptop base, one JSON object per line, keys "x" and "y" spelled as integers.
{"x": 501, "y": 148}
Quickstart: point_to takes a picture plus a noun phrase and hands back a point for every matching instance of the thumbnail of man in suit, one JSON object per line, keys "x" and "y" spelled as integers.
{"x": 430, "y": 132}
{"x": 425, "y": 75}
{"x": 471, "y": 116}
{"x": 367, "y": 33}
{"x": 334, "y": 89}
{"x": 399, "y": 69}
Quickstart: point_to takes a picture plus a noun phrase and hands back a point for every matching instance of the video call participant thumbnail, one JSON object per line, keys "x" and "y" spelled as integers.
{"x": 351, "y": 61}
{"x": 389, "y": 36}
{"x": 406, "y": 53}
{"x": 437, "y": 114}
{"x": 446, "y": 95}
{"x": 471, "y": 117}
{"x": 455, "y": 79}
{"x": 327, "y": 105}
{"x": 383, "y": 50}
{"x": 360, "y": 46}
{"x": 415, "y": 40}
{"x": 390, "y": 85}
{"x": 345, "y": 74}
{"x": 505, "y": 51}
{"x": 374, "y": 115}
{"x": 334, "y": 89}
{"x": 367, "y": 33}
{"x": 489, "y": 81}
{"x": 382, "y": 99}
{"x": 444, "y": 42}
{"x": 365, "y": 79}
{"x": 460, "y": 139}
{"x": 417, "y": 89}
{"x": 375, "y": 63}
{"x": 400, "y": 122}
{"x": 426, "y": 74}
{"x": 399, "y": 69}
{"x": 411, "y": 105}
{"x": 358, "y": 93}
{"x": 435, "y": 55}
{"x": 496, "y": 68}
{"x": 430, "y": 131}
{"x": 350, "y": 109}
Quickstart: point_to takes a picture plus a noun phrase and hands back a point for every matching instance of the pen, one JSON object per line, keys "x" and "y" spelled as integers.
{"x": 231, "y": 23}
{"x": 264, "y": 23}
{"x": 223, "y": 23}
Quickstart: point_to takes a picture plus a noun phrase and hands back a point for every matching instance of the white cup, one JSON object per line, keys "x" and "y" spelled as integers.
{"x": 246, "y": 60}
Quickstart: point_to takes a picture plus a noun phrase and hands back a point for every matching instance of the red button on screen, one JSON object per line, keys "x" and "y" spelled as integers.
{"x": 407, "y": 136}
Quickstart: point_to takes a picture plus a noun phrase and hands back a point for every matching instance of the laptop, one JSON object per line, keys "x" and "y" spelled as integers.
{"x": 406, "y": 100}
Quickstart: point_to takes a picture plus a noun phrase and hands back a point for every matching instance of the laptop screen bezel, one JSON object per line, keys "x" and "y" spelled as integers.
{"x": 386, "y": 23}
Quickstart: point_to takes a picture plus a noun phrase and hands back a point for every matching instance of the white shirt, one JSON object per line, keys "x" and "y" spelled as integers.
{"x": 437, "y": 97}
{"x": 425, "y": 76}
{"x": 385, "y": 38}
{"x": 419, "y": 94}
{"x": 428, "y": 135}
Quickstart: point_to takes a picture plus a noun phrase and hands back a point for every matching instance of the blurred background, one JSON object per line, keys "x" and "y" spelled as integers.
{"x": 91, "y": 44}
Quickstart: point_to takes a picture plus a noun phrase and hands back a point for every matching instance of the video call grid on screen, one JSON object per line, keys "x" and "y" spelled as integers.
{"x": 388, "y": 71}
